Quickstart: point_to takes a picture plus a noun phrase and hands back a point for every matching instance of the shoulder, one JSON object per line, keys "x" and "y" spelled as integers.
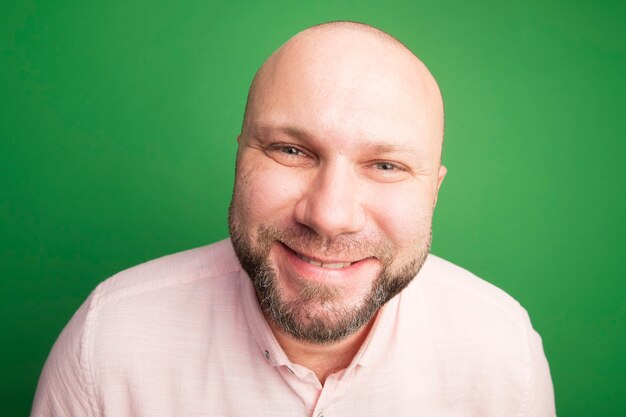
{"x": 136, "y": 319}
{"x": 452, "y": 287}
{"x": 475, "y": 334}
{"x": 184, "y": 268}
{"x": 160, "y": 308}
{"x": 471, "y": 320}
{"x": 465, "y": 310}
{"x": 169, "y": 298}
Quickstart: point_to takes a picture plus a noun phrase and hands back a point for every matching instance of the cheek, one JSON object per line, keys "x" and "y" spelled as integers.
{"x": 266, "y": 192}
{"x": 403, "y": 215}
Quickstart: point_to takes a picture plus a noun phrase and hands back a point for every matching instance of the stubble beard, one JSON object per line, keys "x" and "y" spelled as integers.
{"x": 316, "y": 315}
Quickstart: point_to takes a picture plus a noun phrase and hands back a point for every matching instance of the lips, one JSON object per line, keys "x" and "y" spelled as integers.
{"x": 343, "y": 271}
{"x": 331, "y": 265}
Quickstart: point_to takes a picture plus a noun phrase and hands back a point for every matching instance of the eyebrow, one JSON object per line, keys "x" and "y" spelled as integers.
{"x": 265, "y": 131}
{"x": 376, "y": 146}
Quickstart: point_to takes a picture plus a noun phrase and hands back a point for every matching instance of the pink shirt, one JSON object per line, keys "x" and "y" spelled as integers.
{"x": 183, "y": 335}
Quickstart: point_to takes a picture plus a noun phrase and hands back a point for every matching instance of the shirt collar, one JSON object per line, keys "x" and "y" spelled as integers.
{"x": 379, "y": 338}
{"x": 263, "y": 336}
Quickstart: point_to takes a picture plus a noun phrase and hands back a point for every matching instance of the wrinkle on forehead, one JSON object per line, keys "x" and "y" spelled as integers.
{"x": 347, "y": 58}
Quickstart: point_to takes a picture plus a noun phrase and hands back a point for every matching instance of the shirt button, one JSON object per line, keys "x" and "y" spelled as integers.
{"x": 321, "y": 414}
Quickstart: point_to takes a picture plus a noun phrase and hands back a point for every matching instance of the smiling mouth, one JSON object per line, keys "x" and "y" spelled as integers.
{"x": 330, "y": 265}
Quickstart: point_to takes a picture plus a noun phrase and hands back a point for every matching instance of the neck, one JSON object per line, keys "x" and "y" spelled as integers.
{"x": 322, "y": 359}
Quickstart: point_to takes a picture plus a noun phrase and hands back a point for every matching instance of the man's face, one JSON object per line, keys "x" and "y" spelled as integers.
{"x": 337, "y": 177}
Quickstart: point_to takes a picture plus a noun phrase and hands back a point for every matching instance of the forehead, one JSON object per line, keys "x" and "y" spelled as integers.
{"x": 347, "y": 92}
{"x": 344, "y": 121}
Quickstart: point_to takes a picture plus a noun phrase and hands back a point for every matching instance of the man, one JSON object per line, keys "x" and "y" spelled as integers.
{"x": 325, "y": 302}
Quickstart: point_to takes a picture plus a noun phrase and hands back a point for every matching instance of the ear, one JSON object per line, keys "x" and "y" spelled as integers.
{"x": 441, "y": 175}
{"x": 239, "y": 140}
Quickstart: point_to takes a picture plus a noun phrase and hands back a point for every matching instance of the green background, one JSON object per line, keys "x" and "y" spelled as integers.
{"x": 117, "y": 140}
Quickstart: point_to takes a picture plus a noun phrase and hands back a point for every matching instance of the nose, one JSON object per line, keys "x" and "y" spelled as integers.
{"x": 330, "y": 203}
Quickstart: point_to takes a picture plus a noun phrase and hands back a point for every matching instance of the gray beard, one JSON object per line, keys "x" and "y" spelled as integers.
{"x": 296, "y": 317}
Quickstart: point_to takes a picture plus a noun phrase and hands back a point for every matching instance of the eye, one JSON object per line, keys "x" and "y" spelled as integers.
{"x": 289, "y": 155}
{"x": 386, "y": 166}
{"x": 290, "y": 150}
{"x": 385, "y": 171}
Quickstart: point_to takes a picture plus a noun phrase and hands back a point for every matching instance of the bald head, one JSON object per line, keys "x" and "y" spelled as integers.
{"x": 355, "y": 59}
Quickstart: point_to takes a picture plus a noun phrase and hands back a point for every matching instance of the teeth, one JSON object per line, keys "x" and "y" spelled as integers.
{"x": 336, "y": 265}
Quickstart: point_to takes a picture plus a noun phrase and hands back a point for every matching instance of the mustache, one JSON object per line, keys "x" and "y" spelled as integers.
{"x": 347, "y": 246}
